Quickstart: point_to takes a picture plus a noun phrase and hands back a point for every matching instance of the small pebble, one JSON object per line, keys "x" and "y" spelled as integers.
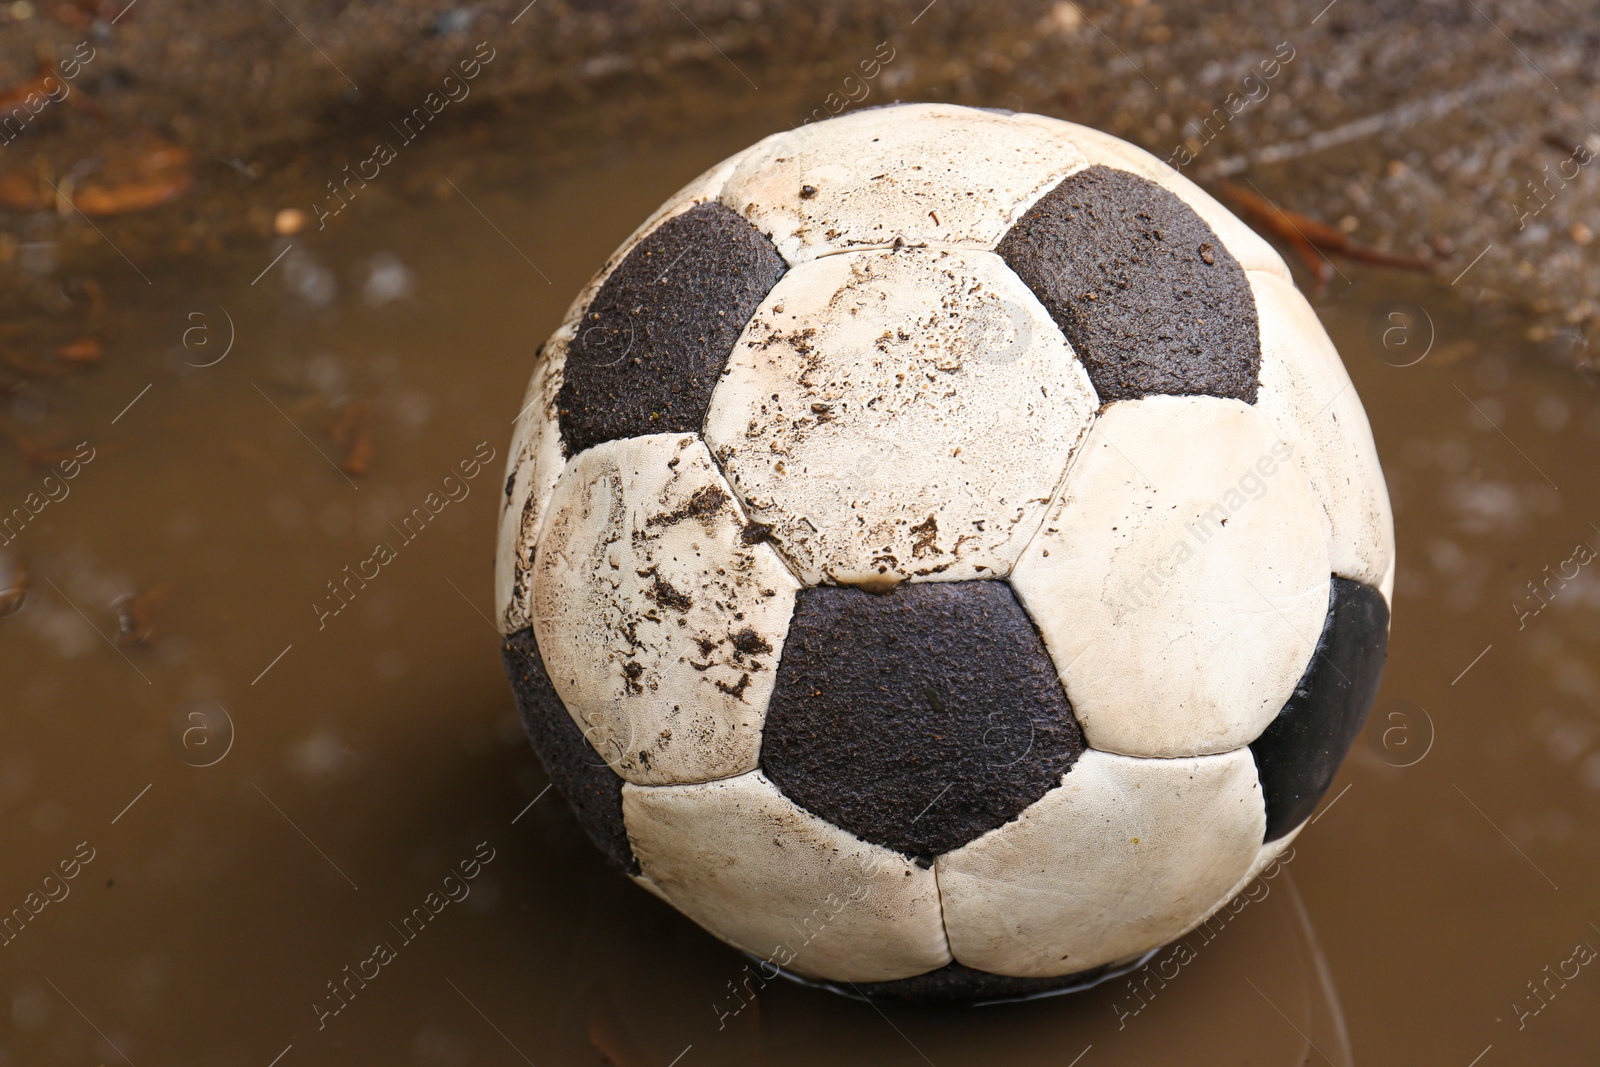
{"x": 1064, "y": 17}
{"x": 456, "y": 20}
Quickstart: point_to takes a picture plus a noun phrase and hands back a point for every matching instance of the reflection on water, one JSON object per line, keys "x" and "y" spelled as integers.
{"x": 269, "y": 788}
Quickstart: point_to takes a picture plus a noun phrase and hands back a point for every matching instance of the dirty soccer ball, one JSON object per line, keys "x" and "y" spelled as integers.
{"x": 943, "y": 555}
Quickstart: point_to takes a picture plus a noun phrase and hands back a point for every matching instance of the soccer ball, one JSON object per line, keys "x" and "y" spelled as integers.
{"x": 943, "y": 555}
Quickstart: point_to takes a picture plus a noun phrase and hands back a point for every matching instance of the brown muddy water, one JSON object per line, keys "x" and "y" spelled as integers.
{"x": 255, "y": 795}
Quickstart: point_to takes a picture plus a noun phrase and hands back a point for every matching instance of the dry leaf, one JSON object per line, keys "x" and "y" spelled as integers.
{"x": 137, "y": 194}
{"x": 246, "y": 452}
{"x": 350, "y": 431}
{"x": 27, "y": 369}
{"x": 135, "y": 173}
{"x": 84, "y": 350}
{"x": 1307, "y": 236}
{"x": 609, "y": 1035}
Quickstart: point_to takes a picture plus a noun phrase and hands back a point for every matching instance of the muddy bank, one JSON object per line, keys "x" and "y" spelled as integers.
{"x": 1424, "y": 130}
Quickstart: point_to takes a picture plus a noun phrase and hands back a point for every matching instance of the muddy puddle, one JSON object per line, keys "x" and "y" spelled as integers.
{"x": 253, "y": 783}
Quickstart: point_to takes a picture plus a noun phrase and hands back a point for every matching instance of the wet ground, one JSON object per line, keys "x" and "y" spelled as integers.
{"x": 251, "y": 793}
{"x": 1457, "y": 132}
